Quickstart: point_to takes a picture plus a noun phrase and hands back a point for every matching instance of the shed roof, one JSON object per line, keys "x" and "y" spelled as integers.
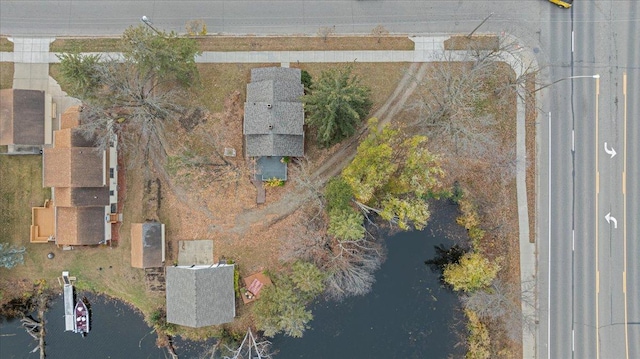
{"x": 200, "y": 296}
{"x": 147, "y": 245}
{"x": 21, "y": 117}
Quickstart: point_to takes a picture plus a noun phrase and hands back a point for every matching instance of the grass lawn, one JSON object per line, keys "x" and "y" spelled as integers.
{"x": 101, "y": 269}
{"x": 5, "y": 44}
{"x": 308, "y": 43}
{"x": 251, "y": 43}
{"x": 6, "y": 75}
{"x": 218, "y": 81}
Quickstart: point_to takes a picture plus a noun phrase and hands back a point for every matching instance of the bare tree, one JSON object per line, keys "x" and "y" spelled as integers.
{"x": 503, "y": 301}
{"x": 251, "y": 347}
{"x": 131, "y": 106}
{"x": 351, "y": 269}
{"x": 457, "y": 91}
{"x": 325, "y": 31}
{"x": 132, "y": 97}
{"x": 196, "y": 27}
{"x": 379, "y": 32}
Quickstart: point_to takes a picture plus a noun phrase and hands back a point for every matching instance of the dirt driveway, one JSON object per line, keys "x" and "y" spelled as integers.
{"x": 255, "y": 236}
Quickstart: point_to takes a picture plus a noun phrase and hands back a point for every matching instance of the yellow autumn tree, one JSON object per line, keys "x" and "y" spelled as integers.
{"x": 472, "y": 272}
{"x": 392, "y": 174}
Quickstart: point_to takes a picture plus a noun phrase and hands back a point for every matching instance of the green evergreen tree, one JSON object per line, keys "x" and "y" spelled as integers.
{"x": 337, "y": 105}
{"x": 11, "y": 256}
{"x": 282, "y": 306}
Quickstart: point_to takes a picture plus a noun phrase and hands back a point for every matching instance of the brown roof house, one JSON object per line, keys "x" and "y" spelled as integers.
{"x": 200, "y": 295}
{"x": 147, "y": 245}
{"x": 25, "y": 118}
{"x": 83, "y": 185}
{"x": 274, "y": 120}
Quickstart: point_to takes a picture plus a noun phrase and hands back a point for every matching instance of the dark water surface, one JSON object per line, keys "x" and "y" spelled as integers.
{"x": 117, "y": 331}
{"x": 408, "y": 314}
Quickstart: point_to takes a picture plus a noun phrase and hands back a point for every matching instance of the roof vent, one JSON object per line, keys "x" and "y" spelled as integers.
{"x": 268, "y": 105}
{"x": 270, "y": 127}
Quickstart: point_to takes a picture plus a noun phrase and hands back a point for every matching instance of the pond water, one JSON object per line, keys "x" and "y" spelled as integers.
{"x": 117, "y": 331}
{"x": 408, "y": 314}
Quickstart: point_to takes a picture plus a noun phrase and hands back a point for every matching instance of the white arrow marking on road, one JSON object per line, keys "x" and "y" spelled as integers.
{"x": 611, "y": 151}
{"x": 610, "y": 218}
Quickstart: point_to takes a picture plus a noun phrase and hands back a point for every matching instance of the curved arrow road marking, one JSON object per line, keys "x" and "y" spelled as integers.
{"x": 610, "y": 219}
{"x": 611, "y": 151}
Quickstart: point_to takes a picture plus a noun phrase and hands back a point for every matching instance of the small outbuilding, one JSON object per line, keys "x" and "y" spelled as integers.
{"x": 200, "y": 296}
{"x": 147, "y": 245}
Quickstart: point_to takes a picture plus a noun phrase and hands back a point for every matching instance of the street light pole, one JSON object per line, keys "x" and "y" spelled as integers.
{"x": 596, "y": 76}
{"x": 148, "y": 22}
{"x": 477, "y": 27}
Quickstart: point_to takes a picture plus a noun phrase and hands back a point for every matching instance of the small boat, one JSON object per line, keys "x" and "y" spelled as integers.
{"x": 81, "y": 318}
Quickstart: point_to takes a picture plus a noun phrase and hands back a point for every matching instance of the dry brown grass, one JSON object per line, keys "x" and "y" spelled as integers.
{"x": 5, "y": 44}
{"x": 250, "y": 43}
{"x": 303, "y": 43}
{"x": 102, "y": 44}
{"x": 218, "y": 81}
{"x": 476, "y": 42}
{"x": 6, "y": 75}
{"x": 532, "y": 160}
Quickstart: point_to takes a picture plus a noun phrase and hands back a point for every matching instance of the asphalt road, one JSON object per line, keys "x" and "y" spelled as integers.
{"x": 591, "y": 309}
{"x": 580, "y": 317}
{"x": 90, "y": 17}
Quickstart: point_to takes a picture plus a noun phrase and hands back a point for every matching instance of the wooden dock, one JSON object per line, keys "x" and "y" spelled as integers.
{"x": 68, "y": 302}
{"x": 261, "y": 194}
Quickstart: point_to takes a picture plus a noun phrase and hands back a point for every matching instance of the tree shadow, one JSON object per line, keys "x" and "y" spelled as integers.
{"x": 443, "y": 257}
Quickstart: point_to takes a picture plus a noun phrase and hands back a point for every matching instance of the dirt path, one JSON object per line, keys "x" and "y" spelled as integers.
{"x": 276, "y": 211}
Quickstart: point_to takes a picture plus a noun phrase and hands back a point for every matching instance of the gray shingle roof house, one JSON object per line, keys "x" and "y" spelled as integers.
{"x": 200, "y": 296}
{"x": 273, "y": 113}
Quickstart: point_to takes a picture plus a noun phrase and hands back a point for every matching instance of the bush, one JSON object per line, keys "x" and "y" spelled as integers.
{"x": 158, "y": 319}
{"x": 306, "y": 80}
{"x": 273, "y": 182}
{"x": 473, "y": 272}
{"x": 478, "y": 341}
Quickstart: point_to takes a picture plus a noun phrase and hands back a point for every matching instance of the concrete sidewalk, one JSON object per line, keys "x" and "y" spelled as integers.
{"x": 31, "y": 58}
{"x": 427, "y": 49}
